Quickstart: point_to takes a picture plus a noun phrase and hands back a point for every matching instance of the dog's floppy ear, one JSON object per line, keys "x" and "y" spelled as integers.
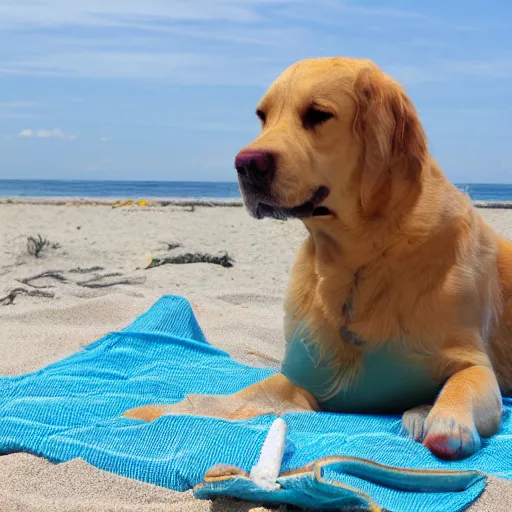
{"x": 394, "y": 139}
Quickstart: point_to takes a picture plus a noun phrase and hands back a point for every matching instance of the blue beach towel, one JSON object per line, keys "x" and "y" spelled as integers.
{"x": 73, "y": 408}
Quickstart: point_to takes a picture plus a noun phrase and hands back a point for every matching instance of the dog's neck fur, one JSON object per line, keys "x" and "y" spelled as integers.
{"x": 350, "y": 260}
{"x": 363, "y": 240}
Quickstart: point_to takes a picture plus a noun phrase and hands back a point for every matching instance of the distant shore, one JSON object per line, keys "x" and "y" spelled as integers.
{"x": 172, "y": 201}
{"x": 111, "y": 201}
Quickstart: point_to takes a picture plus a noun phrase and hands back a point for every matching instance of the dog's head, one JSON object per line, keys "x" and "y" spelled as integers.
{"x": 339, "y": 138}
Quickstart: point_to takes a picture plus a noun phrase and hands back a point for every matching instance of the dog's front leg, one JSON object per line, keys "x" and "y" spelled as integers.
{"x": 274, "y": 395}
{"x": 468, "y": 407}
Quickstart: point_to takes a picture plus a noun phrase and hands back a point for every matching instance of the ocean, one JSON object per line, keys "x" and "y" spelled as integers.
{"x": 181, "y": 189}
{"x": 118, "y": 189}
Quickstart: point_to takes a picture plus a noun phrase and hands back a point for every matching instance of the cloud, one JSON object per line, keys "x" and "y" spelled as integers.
{"x": 381, "y": 12}
{"x": 412, "y": 75}
{"x": 492, "y": 68}
{"x": 335, "y": 12}
{"x": 214, "y": 126}
{"x": 54, "y": 133}
{"x": 105, "y": 164}
{"x": 17, "y": 110}
{"x": 59, "y": 13}
{"x": 443, "y": 70}
{"x": 228, "y": 42}
{"x": 176, "y": 68}
{"x": 15, "y": 104}
{"x": 13, "y": 115}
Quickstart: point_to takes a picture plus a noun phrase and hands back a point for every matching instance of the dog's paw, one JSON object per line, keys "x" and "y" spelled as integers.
{"x": 195, "y": 405}
{"x": 145, "y": 413}
{"x": 229, "y": 407}
{"x": 448, "y": 438}
{"x": 413, "y": 421}
{"x": 445, "y": 436}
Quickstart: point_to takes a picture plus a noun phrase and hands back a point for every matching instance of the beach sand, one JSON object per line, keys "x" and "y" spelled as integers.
{"x": 93, "y": 247}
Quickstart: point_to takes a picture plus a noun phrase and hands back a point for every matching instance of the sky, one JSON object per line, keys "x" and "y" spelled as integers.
{"x": 167, "y": 89}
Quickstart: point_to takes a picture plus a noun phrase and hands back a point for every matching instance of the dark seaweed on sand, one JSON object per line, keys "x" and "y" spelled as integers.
{"x": 197, "y": 257}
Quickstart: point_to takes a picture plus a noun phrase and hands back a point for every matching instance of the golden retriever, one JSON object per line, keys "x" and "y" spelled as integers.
{"x": 397, "y": 258}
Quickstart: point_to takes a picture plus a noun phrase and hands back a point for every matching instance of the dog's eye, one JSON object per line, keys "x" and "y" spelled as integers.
{"x": 313, "y": 117}
{"x": 261, "y": 115}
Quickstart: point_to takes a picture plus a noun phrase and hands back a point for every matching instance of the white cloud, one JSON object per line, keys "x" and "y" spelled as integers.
{"x": 177, "y": 68}
{"x": 54, "y": 133}
{"x": 105, "y": 164}
{"x": 17, "y": 110}
{"x": 214, "y": 126}
{"x": 15, "y": 104}
{"x": 12, "y": 115}
{"x": 492, "y": 68}
{"x": 227, "y": 42}
{"x": 412, "y": 75}
{"x": 59, "y": 13}
{"x": 336, "y": 12}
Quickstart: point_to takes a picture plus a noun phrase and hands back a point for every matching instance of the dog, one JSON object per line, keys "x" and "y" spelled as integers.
{"x": 399, "y": 272}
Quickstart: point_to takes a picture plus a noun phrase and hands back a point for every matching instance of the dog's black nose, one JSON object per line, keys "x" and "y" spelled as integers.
{"x": 255, "y": 165}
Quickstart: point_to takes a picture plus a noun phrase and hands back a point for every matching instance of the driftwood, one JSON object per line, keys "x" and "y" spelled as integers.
{"x": 198, "y": 257}
{"x": 53, "y": 274}
{"x": 98, "y": 281}
{"x": 172, "y": 245}
{"x": 11, "y": 296}
{"x": 79, "y": 270}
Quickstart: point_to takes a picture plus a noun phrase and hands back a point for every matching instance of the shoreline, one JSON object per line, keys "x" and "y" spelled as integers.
{"x": 171, "y": 201}
{"x": 111, "y": 201}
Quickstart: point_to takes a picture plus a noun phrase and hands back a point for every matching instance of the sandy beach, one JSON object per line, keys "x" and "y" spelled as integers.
{"x": 90, "y": 278}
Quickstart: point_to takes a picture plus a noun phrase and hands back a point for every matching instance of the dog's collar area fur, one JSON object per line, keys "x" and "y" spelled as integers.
{"x": 347, "y": 313}
{"x": 351, "y": 337}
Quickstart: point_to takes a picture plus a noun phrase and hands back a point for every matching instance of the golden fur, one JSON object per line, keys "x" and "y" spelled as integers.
{"x": 404, "y": 259}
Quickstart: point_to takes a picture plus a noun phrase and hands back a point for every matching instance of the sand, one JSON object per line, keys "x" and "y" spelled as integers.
{"x": 92, "y": 247}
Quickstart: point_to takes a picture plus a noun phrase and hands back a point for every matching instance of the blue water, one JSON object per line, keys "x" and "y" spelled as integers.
{"x": 487, "y": 192}
{"x": 117, "y": 189}
{"x": 167, "y": 189}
